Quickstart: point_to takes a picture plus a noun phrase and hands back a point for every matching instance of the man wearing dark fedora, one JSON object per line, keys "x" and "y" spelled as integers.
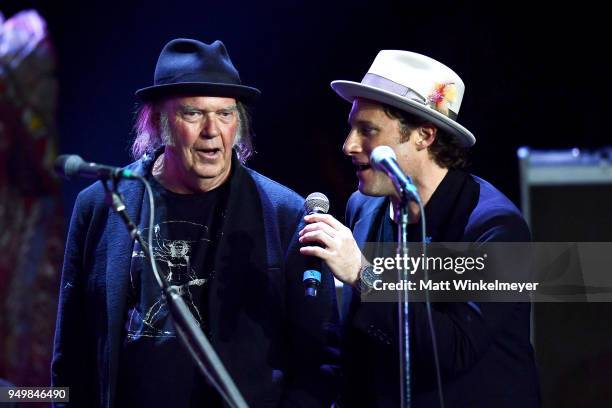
{"x": 225, "y": 235}
{"x": 410, "y": 103}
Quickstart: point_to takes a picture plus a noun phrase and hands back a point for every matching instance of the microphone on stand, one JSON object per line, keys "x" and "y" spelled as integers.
{"x": 71, "y": 165}
{"x": 383, "y": 158}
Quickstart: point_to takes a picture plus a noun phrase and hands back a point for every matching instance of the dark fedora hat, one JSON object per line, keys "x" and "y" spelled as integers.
{"x": 190, "y": 67}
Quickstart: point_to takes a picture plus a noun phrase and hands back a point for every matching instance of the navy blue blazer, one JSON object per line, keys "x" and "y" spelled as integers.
{"x": 279, "y": 347}
{"x": 485, "y": 352}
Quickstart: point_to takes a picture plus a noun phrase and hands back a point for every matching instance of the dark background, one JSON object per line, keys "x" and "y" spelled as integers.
{"x": 534, "y": 76}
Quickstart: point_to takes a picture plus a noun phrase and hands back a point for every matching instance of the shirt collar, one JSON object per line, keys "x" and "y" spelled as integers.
{"x": 441, "y": 206}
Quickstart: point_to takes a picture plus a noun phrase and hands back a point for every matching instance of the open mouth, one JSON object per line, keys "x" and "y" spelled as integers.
{"x": 208, "y": 152}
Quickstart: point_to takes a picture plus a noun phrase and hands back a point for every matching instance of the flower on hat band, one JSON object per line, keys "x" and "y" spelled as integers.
{"x": 442, "y": 95}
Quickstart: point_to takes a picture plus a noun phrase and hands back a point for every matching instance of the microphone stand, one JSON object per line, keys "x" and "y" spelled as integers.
{"x": 186, "y": 326}
{"x": 404, "y": 328}
{"x": 407, "y": 193}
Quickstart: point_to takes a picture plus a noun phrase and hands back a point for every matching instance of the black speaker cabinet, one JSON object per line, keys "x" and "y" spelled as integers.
{"x": 567, "y": 197}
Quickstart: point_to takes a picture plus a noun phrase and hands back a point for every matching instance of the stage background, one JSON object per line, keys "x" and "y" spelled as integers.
{"x": 534, "y": 76}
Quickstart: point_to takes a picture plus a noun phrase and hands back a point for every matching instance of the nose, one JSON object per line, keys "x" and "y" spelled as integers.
{"x": 352, "y": 144}
{"x": 210, "y": 129}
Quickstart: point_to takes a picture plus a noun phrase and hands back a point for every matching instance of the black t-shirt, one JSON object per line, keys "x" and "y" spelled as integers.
{"x": 155, "y": 370}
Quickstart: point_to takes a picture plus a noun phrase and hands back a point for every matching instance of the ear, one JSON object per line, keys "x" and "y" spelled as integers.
{"x": 426, "y": 134}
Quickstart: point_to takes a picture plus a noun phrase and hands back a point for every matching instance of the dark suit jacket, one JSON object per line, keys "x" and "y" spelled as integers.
{"x": 484, "y": 349}
{"x": 279, "y": 347}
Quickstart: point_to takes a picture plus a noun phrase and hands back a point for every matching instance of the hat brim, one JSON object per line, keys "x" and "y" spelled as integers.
{"x": 350, "y": 90}
{"x": 246, "y": 94}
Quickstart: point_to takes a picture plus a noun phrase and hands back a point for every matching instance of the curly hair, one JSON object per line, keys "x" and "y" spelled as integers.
{"x": 446, "y": 150}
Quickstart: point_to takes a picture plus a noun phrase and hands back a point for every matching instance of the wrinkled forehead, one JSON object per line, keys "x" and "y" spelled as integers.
{"x": 205, "y": 103}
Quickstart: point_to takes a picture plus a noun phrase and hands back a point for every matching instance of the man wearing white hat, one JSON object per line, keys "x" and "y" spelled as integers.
{"x": 410, "y": 103}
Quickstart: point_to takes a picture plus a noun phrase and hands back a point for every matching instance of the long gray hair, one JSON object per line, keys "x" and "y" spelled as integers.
{"x": 152, "y": 134}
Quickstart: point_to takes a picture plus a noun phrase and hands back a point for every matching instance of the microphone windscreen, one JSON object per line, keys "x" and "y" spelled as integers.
{"x": 68, "y": 165}
{"x": 381, "y": 153}
{"x": 316, "y": 203}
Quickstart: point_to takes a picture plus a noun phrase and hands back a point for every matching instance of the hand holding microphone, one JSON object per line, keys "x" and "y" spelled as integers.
{"x": 329, "y": 240}
{"x": 316, "y": 203}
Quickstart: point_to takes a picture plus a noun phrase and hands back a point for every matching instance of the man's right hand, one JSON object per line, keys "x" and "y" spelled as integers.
{"x": 338, "y": 248}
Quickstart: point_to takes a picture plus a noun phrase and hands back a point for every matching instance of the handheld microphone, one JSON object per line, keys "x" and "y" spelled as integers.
{"x": 71, "y": 165}
{"x": 383, "y": 158}
{"x": 316, "y": 203}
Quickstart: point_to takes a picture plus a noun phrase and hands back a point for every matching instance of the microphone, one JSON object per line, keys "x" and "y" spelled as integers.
{"x": 383, "y": 158}
{"x": 316, "y": 203}
{"x": 71, "y": 165}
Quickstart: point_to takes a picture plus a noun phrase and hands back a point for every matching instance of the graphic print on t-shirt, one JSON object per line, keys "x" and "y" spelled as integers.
{"x": 175, "y": 261}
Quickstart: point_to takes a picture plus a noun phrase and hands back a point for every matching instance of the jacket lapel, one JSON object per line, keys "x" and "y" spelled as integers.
{"x": 241, "y": 257}
{"x": 362, "y": 228}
